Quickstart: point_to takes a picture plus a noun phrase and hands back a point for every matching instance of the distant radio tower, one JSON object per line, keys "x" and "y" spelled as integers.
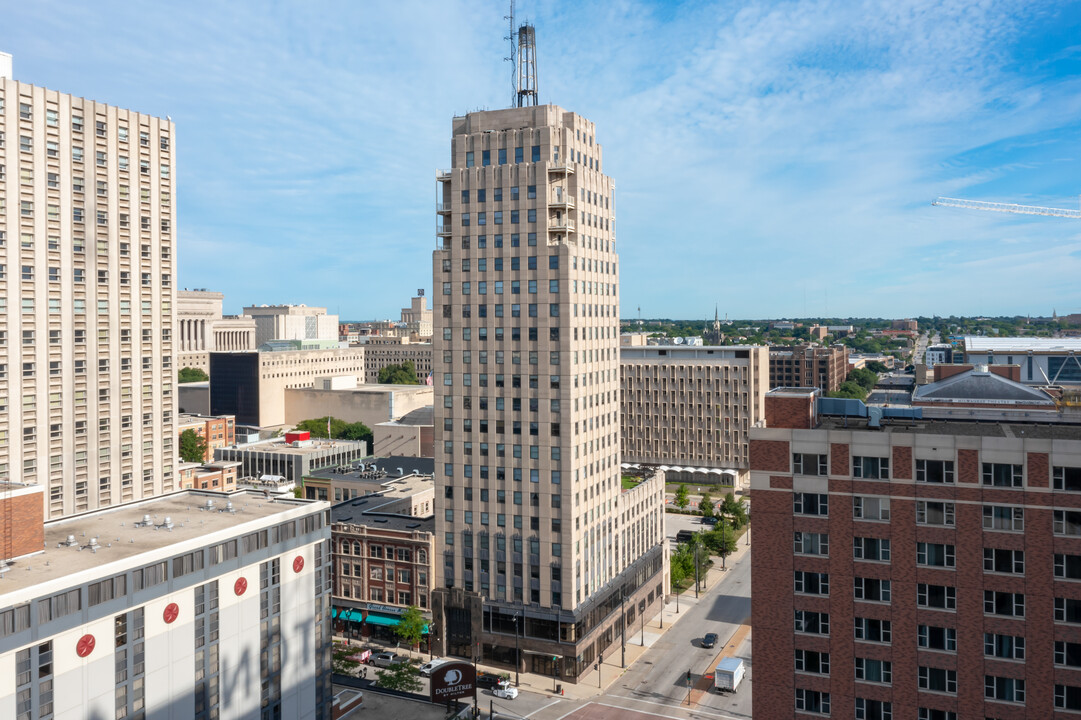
{"x": 527, "y": 66}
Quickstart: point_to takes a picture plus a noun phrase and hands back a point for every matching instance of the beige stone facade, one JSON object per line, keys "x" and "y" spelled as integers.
{"x": 418, "y": 317}
{"x": 252, "y": 385}
{"x": 201, "y": 328}
{"x": 383, "y": 350}
{"x": 692, "y": 406}
{"x": 292, "y": 322}
{"x": 369, "y": 404}
{"x": 529, "y": 508}
{"x": 87, "y": 268}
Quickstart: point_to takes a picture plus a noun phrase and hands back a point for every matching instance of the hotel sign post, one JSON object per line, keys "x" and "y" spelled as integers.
{"x": 452, "y": 681}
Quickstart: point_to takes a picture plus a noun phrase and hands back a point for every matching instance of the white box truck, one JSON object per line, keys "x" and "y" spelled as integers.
{"x": 729, "y": 674}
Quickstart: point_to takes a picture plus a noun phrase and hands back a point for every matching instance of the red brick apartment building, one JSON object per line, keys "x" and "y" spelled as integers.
{"x": 805, "y": 365}
{"x": 918, "y": 569}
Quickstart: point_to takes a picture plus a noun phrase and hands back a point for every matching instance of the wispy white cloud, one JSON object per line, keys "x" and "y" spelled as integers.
{"x": 776, "y": 158}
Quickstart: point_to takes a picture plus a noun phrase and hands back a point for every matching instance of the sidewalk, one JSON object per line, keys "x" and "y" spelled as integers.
{"x": 610, "y": 670}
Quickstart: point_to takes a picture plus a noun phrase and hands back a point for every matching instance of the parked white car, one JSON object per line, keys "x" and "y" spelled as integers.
{"x": 385, "y": 660}
{"x": 508, "y": 692}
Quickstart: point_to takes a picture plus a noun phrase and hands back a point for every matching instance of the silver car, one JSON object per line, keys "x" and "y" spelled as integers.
{"x": 385, "y": 660}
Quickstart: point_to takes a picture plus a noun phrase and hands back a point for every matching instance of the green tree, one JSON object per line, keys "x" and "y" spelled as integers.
{"x": 411, "y": 626}
{"x": 849, "y": 390}
{"x": 734, "y": 510}
{"x": 876, "y": 367}
{"x": 402, "y": 676}
{"x": 192, "y": 446}
{"x": 681, "y": 497}
{"x": 339, "y": 429}
{"x": 705, "y": 505}
{"x": 190, "y": 374}
{"x": 403, "y": 374}
{"x": 863, "y": 377}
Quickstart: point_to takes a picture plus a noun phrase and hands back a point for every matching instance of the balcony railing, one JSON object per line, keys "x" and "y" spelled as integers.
{"x": 442, "y": 208}
{"x": 561, "y": 199}
{"x": 442, "y": 175}
{"x": 563, "y": 167}
{"x": 561, "y": 225}
{"x": 442, "y": 230}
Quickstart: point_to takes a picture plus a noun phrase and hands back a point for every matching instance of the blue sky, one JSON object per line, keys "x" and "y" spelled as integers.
{"x": 775, "y": 159}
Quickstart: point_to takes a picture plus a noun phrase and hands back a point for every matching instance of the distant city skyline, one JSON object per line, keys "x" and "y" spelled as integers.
{"x": 776, "y": 159}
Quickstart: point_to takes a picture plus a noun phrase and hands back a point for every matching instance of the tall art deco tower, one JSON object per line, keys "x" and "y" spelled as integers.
{"x": 539, "y": 543}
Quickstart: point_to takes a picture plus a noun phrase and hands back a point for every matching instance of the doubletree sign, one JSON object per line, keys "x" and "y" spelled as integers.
{"x": 453, "y": 680}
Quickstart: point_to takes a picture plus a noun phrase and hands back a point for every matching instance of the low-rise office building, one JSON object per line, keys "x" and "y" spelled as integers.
{"x": 368, "y": 404}
{"x": 218, "y": 431}
{"x": 218, "y": 475}
{"x": 692, "y": 407}
{"x": 284, "y": 462}
{"x": 383, "y": 350}
{"x": 382, "y": 565}
{"x": 411, "y": 435}
{"x": 252, "y": 385}
{"x": 162, "y": 608}
{"x": 808, "y": 366}
{"x": 292, "y": 322}
{"x": 1043, "y": 361}
{"x": 405, "y": 481}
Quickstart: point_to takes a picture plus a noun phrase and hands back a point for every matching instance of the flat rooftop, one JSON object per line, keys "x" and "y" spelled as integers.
{"x": 120, "y": 536}
{"x": 365, "y": 511}
{"x": 979, "y": 343}
{"x": 284, "y": 448}
{"x": 1039, "y": 431}
{"x": 686, "y": 352}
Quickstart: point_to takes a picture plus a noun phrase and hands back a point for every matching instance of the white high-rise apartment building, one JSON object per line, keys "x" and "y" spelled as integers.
{"x": 87, "y": 223}
{"x": 538, "y": 540}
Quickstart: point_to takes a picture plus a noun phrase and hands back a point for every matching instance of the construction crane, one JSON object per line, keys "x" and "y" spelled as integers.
{"x": 1007, "y": 208}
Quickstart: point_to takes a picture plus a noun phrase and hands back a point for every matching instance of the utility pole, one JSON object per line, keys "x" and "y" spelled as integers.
{"x": 642, "y": 624}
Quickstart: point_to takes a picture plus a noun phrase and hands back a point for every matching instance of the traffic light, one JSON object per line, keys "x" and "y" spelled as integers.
{"x": 688, "y": 676}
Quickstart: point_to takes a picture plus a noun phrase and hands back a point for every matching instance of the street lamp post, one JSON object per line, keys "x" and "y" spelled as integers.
{"x": 623, "y": 627}
{"x": 696, "y": 571}
{"x": 555, "y": 671}
{"x": 517, "y": 656}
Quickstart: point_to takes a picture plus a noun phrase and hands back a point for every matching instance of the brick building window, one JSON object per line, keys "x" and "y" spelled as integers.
{"x": 806, "y": 543}
{"x": 809, "y": 464}
{"x": 871, "y": 589}
{"x": 1004, "y": 561}
{"x": 935, "y": 714}
{"x": 1003, "y": 517}
{"x": 1067, "y": 610}
{"x": 809, "y": 661}
{"x": 1067, "y": 522}
{"x": 1004, "y": 688}
{"x": 1067, "y": 479}
{"x": 870, "y": 508}
{"x": 1009, "y": 647}
{"x": 1068, "y": 566}
{"x": 934, "y": 471}
{"x": 1002, "y": 475}
{"x": 812, "y": 623}
{"x": 874, "y": 709}
{"x": 873, "y": 630}
{"x": 810, "y": 503}
{"x": 935, "y": 555}
{"x": 812, "y": 583}
{"x": 940, "y": 597}
{"x": 812, "y": 701}
{"x": 877, "y": 671}
{"x": 932, "y": 637}
{"x": 1068, "y": 697}
{"x": 1004, "y": 603}
{"x": 871, "y": 549}
{"x": 871, "y": 468}
{"x": 937, "y": 679}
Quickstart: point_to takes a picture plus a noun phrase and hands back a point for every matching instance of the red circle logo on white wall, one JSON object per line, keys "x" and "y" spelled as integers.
{"x": 240, "y": 586}
{"x": 298, "y": 564}
{"x": 172, "y": 610}
{"x": 85, "y": 646}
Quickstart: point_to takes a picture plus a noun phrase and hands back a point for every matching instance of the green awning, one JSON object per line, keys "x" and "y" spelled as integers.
{"x": 375, "y": 618}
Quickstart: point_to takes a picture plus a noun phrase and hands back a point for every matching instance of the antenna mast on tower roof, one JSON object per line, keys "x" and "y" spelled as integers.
{"x": 512, "y": 37}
